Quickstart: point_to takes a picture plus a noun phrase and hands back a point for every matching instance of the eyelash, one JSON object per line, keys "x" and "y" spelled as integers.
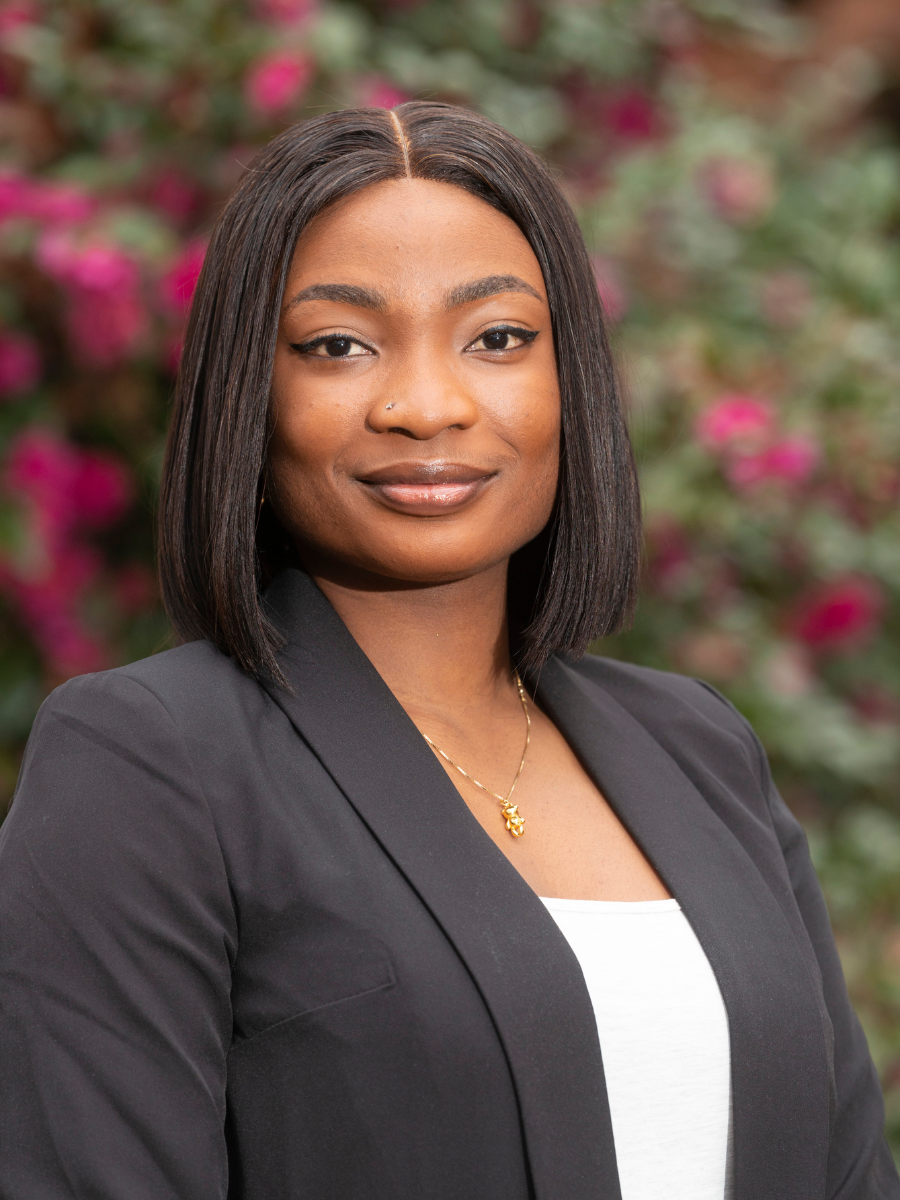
{"x": 527, "y": 336}
{"x": 305, "y": 347}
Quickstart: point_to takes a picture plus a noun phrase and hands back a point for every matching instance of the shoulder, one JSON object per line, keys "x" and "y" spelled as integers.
{"x": 652, "y": 689}
{"x": 669, "y": 705}
{"x": 110, "y": 807}
{"x": 163, "y": 717}
{"x": 191, "y": 684}
{"x": 196, "y": 667}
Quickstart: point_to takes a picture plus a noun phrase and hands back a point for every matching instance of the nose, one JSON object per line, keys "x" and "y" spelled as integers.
{"x": 421, "y": 403}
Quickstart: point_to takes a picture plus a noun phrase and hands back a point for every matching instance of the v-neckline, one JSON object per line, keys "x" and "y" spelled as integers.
{"x": 527, "y": 974}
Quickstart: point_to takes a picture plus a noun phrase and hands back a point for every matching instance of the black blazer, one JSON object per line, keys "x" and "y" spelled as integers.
{"x": 254, "y": 944}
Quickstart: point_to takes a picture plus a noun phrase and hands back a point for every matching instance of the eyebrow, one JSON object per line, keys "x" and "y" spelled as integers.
{"x": 491, "y": 285}
{"x": 342, "y": 293}
{"x": 466, "y": 293}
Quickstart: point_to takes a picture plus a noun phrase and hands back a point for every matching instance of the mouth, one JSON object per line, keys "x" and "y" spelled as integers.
{"x": 428, "y": 488}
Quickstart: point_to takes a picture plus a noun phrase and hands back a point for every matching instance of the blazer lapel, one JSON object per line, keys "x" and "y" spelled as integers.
{"x": 780, "y": 1074}
{"x": 526, "y": 973}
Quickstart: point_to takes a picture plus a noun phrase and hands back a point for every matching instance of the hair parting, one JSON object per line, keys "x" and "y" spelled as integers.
{"x": 403, "y": 140}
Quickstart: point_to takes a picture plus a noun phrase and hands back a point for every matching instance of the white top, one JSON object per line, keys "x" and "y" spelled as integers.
{"x": 664, "y": 1039}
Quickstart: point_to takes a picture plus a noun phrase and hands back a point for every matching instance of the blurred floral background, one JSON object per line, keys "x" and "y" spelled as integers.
{"x": 736, "y": 164}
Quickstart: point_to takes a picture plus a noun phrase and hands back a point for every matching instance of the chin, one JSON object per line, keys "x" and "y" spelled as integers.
{"x": 429, "y": 567}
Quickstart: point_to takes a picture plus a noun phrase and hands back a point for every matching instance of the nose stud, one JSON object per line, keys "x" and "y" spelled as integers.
{"x": 391, "y": 405}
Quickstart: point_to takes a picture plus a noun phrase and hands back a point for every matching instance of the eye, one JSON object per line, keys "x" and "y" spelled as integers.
{"x": 332, "y": 345}
{"x": 503, "y": 337}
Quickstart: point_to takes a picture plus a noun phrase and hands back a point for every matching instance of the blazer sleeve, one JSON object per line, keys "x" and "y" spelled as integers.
{"x": 860, "y": 1165}
{"x": 116, "y": 940}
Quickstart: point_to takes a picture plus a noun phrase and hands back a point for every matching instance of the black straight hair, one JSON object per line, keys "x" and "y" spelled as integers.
{"x": 576, "y": 581}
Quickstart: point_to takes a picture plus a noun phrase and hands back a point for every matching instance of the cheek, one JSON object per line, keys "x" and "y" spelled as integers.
{"x": 300, "y": 462}
{"x": 533, "y": 410}
{"x": 533, "y": 422}
{"x": 299, "y": 445}
{"x": 530, "y": 425}
{"x": 544, "y": 444}
{"x": 545, "y": 432}
{"x": 308, "y": 433}
{"x": 545, "y": 477}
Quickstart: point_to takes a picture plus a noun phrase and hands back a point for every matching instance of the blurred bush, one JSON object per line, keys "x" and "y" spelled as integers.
{"x": 736, "y": 166}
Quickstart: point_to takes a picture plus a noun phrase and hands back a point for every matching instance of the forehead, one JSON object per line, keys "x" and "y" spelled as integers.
{"x": 409, "y": 233}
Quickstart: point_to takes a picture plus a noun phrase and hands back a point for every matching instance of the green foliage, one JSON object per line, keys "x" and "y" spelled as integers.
{"x": 751, "y": 271}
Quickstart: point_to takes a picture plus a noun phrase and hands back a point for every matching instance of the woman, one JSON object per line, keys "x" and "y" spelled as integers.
{"x": 263, "y": 934}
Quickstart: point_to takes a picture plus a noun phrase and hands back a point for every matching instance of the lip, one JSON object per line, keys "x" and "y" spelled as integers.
{"x": 427, "y": 488}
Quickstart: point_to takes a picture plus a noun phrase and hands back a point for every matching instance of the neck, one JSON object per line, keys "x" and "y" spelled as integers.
{"x": 443, "y": 647}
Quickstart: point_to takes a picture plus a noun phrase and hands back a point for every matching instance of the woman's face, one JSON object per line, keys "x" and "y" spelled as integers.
{"x": 414, "y": 398}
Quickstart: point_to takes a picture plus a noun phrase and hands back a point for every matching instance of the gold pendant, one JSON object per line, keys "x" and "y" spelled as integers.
{"x": 514, "y": 823}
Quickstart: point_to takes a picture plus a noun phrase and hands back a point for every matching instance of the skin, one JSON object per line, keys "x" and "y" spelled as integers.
{"x": 415, "y": 447}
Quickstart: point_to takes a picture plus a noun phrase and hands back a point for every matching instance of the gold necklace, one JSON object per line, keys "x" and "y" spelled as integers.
{"x": 514, "y": 823}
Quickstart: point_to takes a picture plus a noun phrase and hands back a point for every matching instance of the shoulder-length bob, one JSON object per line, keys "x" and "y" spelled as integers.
{"x": 575, "y": 582}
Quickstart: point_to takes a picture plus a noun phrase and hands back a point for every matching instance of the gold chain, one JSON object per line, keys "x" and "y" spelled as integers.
{"x": 514, "y": 823}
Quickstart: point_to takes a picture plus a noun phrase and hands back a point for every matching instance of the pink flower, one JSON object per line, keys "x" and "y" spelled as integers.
{"x": 41, "y": 467}
{"x": 103, "y": 268}
{"x": 735, "y": 420}
{"x": 101, "y": 489}
{"x": 69, "y": 647}
{"x": 63, "y": 488}
{"x": 841, "y": 615}
{"x": 277, "y": 80}
{"x": 174, "y": 195}
{"x": 285, "y": 12}
{"x": 96, "y": 266}
{"x": 631, "y": 116}
{"x": 613, "y": 296}
{"x": 66, "y": 485}
{"x": 748, "y": 470}
{"x": 790, "y": 460}
{"x": 68, "y": 572}
{"x": 61, "y": 204}
{"x": 55, "y": 254}
{"x": 16, "y": 13}
{"x": 381, "y": 93}
{"x": 49, "y": 604}
{"x": 180, "y": 280}
{"x": 16, "y": 195}
{"x": 739, "y": 190}
{"x": 20, "y": 363}
{"x": 105, "y": 316}
{"x": 104, "y": 328}
{"x": 49, "y": 203}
